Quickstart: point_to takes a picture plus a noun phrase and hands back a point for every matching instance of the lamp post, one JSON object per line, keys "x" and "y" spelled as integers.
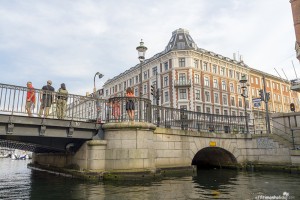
{"x": 100, "y": 76}
{"x": 96, "y": 94}
{"x": 141, "y": 52}
{"x": 244, "y": 94}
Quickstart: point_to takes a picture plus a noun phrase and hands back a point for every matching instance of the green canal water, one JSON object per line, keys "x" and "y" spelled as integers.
{"x": 19, "y": 182}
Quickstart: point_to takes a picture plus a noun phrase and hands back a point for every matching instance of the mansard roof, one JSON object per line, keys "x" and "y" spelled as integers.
{"x": 180, "y": 40}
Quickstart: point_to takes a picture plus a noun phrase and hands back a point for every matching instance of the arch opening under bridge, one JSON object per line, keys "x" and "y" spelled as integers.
{"x": 214, "y": 157}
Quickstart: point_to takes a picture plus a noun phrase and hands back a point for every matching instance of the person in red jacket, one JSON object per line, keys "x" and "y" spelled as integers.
{"x": 30, "y": 98}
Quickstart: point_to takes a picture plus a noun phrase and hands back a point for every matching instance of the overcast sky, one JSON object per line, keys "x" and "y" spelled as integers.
{"x": 69, "y": 41}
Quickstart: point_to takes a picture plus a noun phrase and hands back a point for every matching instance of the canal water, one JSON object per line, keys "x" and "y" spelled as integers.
{"x": 19, "y": 182}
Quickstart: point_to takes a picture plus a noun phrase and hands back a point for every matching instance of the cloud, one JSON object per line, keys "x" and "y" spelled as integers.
{"x": 69, "y": 41}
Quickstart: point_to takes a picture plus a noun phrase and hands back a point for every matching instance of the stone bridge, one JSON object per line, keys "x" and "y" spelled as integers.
{"x": 142, "y": 147}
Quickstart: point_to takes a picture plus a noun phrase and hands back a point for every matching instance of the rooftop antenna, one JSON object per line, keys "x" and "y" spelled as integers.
{"x": 279, "y": 74}
{"x": 284, "y": 74}
{"x": 294, "y": 70}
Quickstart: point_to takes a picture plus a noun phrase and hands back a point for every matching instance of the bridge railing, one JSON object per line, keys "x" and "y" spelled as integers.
{"x": 116, "y": 109}
{"x": 89, "y": 108}
{"x": 80, "y": 108}
{"x": 197, "y": 121}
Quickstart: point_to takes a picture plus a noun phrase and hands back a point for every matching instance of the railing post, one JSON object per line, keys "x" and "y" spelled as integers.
{"x": 293, "y": 139}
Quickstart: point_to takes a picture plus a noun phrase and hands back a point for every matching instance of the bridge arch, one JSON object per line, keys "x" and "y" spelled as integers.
{"x": 214, "y": 157}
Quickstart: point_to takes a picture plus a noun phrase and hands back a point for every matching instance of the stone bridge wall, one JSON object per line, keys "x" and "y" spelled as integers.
{"x": 135, "y": 146}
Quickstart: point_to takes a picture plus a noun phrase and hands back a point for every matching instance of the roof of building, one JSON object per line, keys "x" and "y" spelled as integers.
{"x": 182, "y": 40}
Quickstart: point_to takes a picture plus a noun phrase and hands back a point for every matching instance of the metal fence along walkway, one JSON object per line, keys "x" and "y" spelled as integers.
{"x": 92, "y": 109}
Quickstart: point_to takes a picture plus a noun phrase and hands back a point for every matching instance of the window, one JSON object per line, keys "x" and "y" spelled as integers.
{"x": 197, "y": 78}
{"x": 216, "y": 95}
{"x": 215, "y": 83}
{"x": 130, "y": 82}
{"x": 240, "y": 102}
{"x": 154, "y": 71}
{"x": 166, "y": 81}
{"x": 225, "y": 100}
{"x": 197, "y": 94}
{"x": 166, "y": 96}
{"x": 120, "y": 87}
{"x": 251, "y": 79}
{"x": 217, "y": 111}
{"x": 277, "y": 86}
{"x": 282, "y": 88}
{"x": 183, "y": 107}
{"x": 182, "y": 93}
{"x": 215, "y": 69}
{"x": 268, "y": 84}
{"x": 136, "y": 79}
{"x": 182, "y": 78}
{"x": 180, "y": 45}
{"x": 205, "y": 67}
{"x": 198, "y": 108}
{"x": 256, "y": 80}
{"x": 207, "y": 96}
{"x": 231, "y": 87}
{"x": 233, "y": 113}
{"x": 230, "y": 73}
{"x": 180, "y": 37}
{"x": 145, "y": 75}
{"x": 125, "y": 85}
{"x": 223, "y": 71}
{"x": 223, "y": 85}
{"x": 238, "y": 75}
{"x": 207, "y": 109}
{"x": 225, "y": 112}
{"x": 196, "y": 63}
{"x": 136, "y": 92}
{"x": 166, "y": 66}
{"x": 206, "y": 81}
{"x": 279, "y": 97}
{"x": 232, "y": 101}
{"x": 239, "y": 89}
{"x": 181, "y": 62}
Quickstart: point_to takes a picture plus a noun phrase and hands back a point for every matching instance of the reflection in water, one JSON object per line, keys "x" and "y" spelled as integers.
{"x": 18, "y": 182}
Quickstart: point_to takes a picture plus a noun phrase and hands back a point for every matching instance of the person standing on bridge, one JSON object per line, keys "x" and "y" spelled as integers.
{"x": 30, "y": 98}
{"x": 46, "y": 98}
{"x": 130, "y": 104}
{"x": 61, "y": 104}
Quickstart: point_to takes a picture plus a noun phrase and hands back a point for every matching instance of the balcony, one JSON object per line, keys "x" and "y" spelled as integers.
{"x": 182, "y": 83}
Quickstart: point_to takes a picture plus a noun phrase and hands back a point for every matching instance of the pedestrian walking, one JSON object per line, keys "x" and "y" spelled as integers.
{"x": 30, "y": 99}
{"x": 61, "y": 103}
{"x": 46, "y": 98}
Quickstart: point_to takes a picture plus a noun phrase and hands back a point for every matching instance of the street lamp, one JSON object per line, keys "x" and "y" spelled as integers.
{"x": 244, "y": 94}
{"x": 100, "y": 76}
{"x": 141, "y": 52}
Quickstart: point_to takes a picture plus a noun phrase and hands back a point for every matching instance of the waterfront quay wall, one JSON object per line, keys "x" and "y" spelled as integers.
{"x": 142, "y": 147}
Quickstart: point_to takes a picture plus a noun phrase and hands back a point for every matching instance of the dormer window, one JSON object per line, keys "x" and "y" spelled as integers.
{"x": 180, "y": 45}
